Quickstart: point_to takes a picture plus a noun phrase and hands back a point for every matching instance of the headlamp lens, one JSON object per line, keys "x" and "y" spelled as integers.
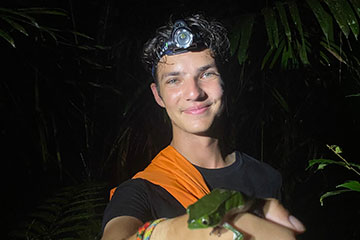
{"x": 183, "y": 38}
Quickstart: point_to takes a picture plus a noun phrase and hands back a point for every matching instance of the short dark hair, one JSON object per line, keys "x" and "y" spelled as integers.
{"x": 212, "y": 32}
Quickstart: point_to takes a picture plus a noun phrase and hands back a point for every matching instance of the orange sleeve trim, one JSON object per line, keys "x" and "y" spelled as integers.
{"x": 112, "y": 191}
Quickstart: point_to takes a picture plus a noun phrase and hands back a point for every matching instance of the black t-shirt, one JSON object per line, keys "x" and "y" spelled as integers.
{"x": 146, "y": 201}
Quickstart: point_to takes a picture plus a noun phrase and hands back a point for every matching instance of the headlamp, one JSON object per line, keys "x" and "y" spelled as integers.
{"x": 181, "y": 40}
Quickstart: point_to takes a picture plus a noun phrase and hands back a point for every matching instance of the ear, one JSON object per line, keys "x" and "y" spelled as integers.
{"x": 155, "y": 92}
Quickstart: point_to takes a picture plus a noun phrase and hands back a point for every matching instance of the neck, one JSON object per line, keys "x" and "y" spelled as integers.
{"x": 202, "y": 151}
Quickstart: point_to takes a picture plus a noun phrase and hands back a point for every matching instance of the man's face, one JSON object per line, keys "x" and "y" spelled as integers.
{"x": 190, "y": 89}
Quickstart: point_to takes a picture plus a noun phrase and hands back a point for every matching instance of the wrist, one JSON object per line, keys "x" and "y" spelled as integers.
{"x": 146, "y": 230}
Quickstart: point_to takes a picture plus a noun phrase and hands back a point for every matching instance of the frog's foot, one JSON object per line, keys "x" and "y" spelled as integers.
{"x": 237, "y": 235}
{"x": 217, "y": 230}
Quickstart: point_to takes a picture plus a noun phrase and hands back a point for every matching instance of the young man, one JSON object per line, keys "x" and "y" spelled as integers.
{"x": 187, "y": 59}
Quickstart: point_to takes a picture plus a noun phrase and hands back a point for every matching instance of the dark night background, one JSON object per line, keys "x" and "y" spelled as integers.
{"x": 77, "y": 110}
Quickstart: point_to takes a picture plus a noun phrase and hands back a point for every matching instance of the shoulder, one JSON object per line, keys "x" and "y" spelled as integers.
{"x": 129, "y": 199}
{"x": 133, "y": 186}
{"x": 263, "y": 168}
{"x": 267, "y": 181}
{"x": 143, "y": 200}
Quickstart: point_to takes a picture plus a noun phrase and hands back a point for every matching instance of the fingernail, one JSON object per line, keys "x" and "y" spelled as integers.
{"x": 297, "y": 224}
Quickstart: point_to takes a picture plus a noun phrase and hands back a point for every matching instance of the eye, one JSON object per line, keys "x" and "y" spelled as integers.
{"x": 209, "y": 74}
{"x": 204, "y": 221}
{"x": 172, "y": 81}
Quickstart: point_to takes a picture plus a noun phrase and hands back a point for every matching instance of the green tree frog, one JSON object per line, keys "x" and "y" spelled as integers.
{"x": 215, "y": 209}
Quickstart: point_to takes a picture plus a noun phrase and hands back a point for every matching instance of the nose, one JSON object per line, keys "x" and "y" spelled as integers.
{"x": 194, "y": 91}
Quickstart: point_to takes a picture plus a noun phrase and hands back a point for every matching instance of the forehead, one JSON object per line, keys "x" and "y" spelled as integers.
{"x": 187, "y": 62}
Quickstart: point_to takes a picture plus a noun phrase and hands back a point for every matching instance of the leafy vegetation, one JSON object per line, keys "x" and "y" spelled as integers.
{"x": 73, "y": 212}
{"x": 349, "y": 185}
{"x": 77, "y": 106}
{"x": 289, "y": 39}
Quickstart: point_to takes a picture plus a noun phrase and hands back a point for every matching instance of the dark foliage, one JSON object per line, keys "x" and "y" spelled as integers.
{"x": 76, "y": 106}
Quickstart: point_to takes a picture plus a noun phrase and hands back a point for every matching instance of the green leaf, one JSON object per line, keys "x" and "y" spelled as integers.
{"x": 234, "y": 38}
{"x": 19, "y": 16}
{"x": 353, "y": 95}
{"x": 266, "y": 58}
{"x": 351, "y": 19}
{"x": 302, "y": 52}
{"x": 280, "y": 99}
{"x": 247, "y": 22}
{"x": 324, "y": 60}
{"x": 351, "y": 185}
{"x": 277, "y": 53}
{"x": 323, "y": 18}
{"x": 335, "y": 51}
{"x": 15, "y": 25}
{"x": 286, "y": 55}
{"x": 356, "y": 6}
{"x": 332, "y": 193}
{"x": 344, "y": 16}
{"x": 101, "y": 47}
{"x": 81, "y": 35}
{"x": 335, "y": 148}
{"x": 69, "y": 230}
{"x": 322, "y": 163}
{"x": 50, "y": 32}
{"x": 271, "y": 26}
{"x": 283, "y": 19}
{"x": 49, "y": 11}
{"x": 295, "y": 15}
{"x": 7, "y": 37}
{"x": 44, "y": 217}
{"x": 338, "y": 149}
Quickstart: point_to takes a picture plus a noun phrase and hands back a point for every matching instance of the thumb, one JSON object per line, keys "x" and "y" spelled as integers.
{"x": 275, "y": 212}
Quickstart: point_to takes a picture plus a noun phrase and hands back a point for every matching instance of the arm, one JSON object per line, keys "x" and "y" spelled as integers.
{"x": 277, "y": 225}
{"x": 121, "y": 228}
{"x": 125, "y": 228}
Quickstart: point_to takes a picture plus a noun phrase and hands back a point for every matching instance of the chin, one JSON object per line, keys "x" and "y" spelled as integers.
{"x": 200, "y": 129}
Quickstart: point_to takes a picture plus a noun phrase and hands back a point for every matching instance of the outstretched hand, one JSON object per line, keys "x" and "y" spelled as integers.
{"x": 276, "y": 213}
{"x": 277, "y": 224}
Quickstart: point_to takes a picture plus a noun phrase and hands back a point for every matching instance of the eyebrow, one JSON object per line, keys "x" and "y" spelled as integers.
{"x": 170, "y": 74}
{"x": 206, "y": 67}
{"x": 198, "y": 71}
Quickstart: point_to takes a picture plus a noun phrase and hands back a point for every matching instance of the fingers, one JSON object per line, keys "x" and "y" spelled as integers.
{"x": 275, "y": 212}
{"x": 254, "y": 227}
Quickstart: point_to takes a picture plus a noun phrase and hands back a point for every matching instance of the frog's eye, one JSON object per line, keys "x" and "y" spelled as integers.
{"x": 204, "y": 221}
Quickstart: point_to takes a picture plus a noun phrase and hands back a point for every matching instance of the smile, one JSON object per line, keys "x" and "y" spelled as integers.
{"x": 197, "y": 109}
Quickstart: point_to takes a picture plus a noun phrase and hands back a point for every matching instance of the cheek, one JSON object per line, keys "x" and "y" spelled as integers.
{"x": 172, "y": 96}
{"x": 217, "y": 91}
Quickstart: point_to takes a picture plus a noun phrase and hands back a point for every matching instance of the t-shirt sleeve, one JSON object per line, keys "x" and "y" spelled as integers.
{"x": 129, "y": 199}
{"x": 247, "y": 175}
{"x": 266, "y": 181}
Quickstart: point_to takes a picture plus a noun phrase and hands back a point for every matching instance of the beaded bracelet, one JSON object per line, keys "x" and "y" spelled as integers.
{"x": 146, "y": 230}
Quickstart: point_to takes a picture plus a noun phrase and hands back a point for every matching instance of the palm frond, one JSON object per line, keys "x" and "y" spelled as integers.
{"x": 72, "y": 213}
{"x": 344, "y": 16}
{"x": 271, "y": 26}
{"x": 324, "y": 19}
{"x": 283, "y": 19}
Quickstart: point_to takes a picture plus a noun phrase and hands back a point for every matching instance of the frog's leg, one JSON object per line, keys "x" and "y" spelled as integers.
{"x": 237, "y": 235}
{"x": 217, "y": 230}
